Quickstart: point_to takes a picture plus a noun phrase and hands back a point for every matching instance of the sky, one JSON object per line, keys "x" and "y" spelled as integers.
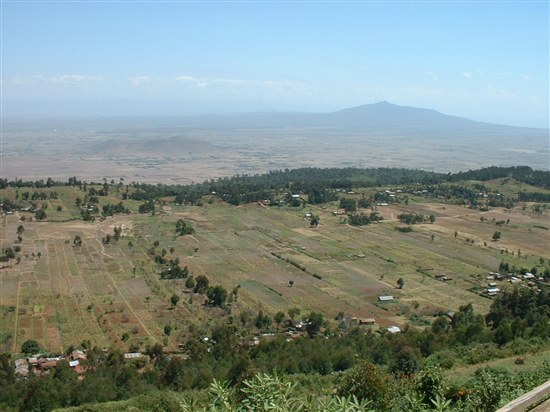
{"x": 487, "y": 61}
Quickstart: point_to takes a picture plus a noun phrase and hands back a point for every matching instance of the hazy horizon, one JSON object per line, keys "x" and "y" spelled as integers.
{"x": 483, "y": 61}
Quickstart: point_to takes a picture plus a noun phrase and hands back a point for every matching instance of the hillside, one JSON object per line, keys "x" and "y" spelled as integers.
{"x": 308, "y": 271}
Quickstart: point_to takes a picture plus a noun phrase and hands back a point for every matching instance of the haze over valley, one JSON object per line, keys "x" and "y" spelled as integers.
{"x": 194, "y": 148}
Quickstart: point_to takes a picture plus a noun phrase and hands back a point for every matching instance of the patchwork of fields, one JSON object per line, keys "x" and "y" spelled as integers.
{"x": 61, "y": 294}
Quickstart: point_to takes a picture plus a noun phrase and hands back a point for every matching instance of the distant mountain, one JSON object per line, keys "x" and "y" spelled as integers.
{"x": 382, "y": 117}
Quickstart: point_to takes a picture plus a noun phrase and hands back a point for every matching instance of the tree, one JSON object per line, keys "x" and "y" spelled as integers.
{"x": 77, "y": 241}
{"x": 293, "y": 312}
{"x": 367, "y": 382}
{"x": 201, "y": 284}
{"x": 184, "y": 228}
{"x": 432, "y": 218}
{"x": 314, "y": 220}
{"x": 20, "y": 229}
{"x": 263, "y": 321}
{"x": 314, "y": 322}
{"x": 279, "y": 317}
{"x": 400, "y": 283}
{"x": 117, "y": 232}
{"x": 174, "y": 299}
{"x": 496, "y": 236}
{"x": 40, "y": 214}
{"x": 217, "y": 296}
{"x": 190, "y": 282}
{"x": 30, "y": 347}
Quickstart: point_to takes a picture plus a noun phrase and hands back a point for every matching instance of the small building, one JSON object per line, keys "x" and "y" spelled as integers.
{"x": 47, "y": 364}
{"x": 385, "y": 298}
{"x": 74, "y": 363}
{"x": 394, "y": 329}
{"x": 367, "y": 321}
{"x": 528, "y": 275}
{"x": 78, "y": 355}
{"x": 21, "y": 367}
{"x": 133, "y": 355}
{"x": 492, "y": 285}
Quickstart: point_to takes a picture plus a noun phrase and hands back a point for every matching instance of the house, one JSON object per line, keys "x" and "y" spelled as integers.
{"x": 528, "y": 275}
{"x": 21, "y": 367}
{"x": 367, "y": 321}
{"x": 78, "y": 355}
{"x": 74, "y": 363}
{"x": 492, "y": 284}
{"x": 385, "y": 298}
{"x": 394, "y": 329}
{"x": 492, "y": 291}
{"x": 47, "y": 364}
{"x": 133, "y": 355}
{"x": 439, "y": 275}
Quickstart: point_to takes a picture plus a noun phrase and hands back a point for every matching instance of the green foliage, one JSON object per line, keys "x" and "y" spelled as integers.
{"x": 111, "y": 209}
{"x": 412, "y": 218}
{"x": 201, "y": 284}
{"x": 184, "y": 228}
{"x": 367, "y": 382}
{"x": 349, "y": 205}
{"x": 217, "y": 295}
{"x": 362, "y": 219}
{"x": 174, "y": 299}
{"x": 30, "y": 347}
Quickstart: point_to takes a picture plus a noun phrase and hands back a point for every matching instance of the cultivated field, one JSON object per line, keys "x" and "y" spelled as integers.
{"x": 61, "y": 294}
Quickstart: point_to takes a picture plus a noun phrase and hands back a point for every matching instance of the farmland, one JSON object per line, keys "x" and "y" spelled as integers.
{"x": 61, "y": 294}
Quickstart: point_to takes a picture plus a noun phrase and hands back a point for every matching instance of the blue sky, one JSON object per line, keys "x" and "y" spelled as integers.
{"x": 487, "y": 61}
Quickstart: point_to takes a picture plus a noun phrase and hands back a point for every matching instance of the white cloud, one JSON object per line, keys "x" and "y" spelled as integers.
{"x": 21, "y": 80}
{"x": 468, "y": 75}
{"x": 74, "y": 79}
